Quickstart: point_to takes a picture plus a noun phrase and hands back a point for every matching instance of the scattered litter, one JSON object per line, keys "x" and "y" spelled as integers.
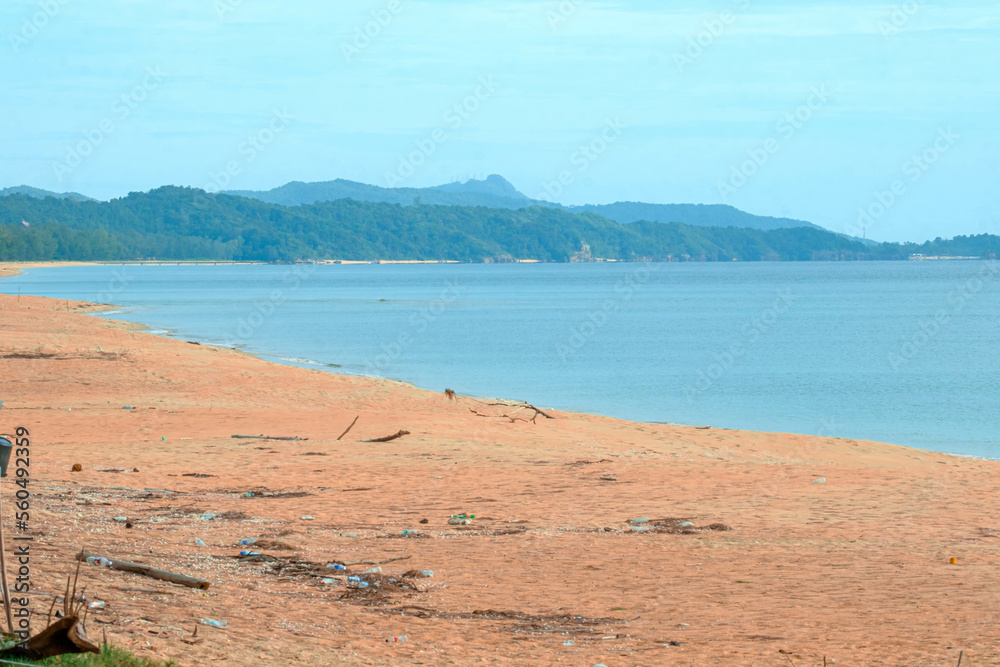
{"x": 954, "y": 561}
{"x": 307, "y": 518}
{"x": 207, "y": 516}
{"x": 685, "y": 524}
{"x": 97, "y": 604}
{"x": 418, "y": 574}
{"x": 640, "y": 529}
{"x": 569, "y": 642}
{"x": 330, "y": 580}
{"x": 396, "y": 640}
{"x": 214, "y": 623}
{"x": 459, "y": 522}
{"x": 407, "y": 533}
{"x": 248, "y": 541}
{"x": 336, "y": 566}
{"x": 248, "y": 494}
{"x": 121, "y": 519}
{"x": 821, "y": 480}
{"x": 348, "y": 534}
{"x": 374, "y": 570}
{"x": 128, "y": 407}
{"x": 250, "y": 553}
{"x": 639, "y": 521}
{"x": 198, "y": 541}
{"x": 99, "y": 562}
{"x": 77, "y": 467}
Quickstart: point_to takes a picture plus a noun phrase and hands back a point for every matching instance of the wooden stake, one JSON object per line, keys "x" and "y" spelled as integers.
{"x": 349, "y": 427}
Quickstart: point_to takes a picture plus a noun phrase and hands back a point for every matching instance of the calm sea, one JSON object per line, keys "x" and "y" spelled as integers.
{"x": 901, "y": 352}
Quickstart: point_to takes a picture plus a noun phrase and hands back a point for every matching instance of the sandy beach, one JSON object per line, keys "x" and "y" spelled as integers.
{"x": 762, "y": 549}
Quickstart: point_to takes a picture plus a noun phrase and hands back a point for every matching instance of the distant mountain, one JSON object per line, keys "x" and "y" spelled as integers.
{"x": 42, "y": 194}
{"x": 497, "y": 192}
{"x": 494, "y": 192}
{"x": 184, "y": 223}
{"x": 695, "y": 215}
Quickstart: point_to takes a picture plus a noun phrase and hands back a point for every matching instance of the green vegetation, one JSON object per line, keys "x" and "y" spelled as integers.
{"x": 109, "y": 657}
{"x": 184, "y": 223}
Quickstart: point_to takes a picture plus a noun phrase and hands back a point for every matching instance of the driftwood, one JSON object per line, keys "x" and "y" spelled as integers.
{"x": 266, "y": 437}
{"x": 66, "y": 635}
{"x": 349, "y": 427}
{"x": 146, "y": 570}
{"x": 390, "y": 438}
{"x": 511, "y": 414}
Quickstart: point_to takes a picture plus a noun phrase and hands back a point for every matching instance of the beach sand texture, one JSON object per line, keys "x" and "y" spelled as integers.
{"x": 855, "y": 569}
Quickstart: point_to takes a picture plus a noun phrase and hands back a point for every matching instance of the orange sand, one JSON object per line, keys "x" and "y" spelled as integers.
{"x": 855, "y": 570}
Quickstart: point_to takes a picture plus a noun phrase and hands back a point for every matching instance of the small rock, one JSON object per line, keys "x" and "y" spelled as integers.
{"x": 77, "y": 467}
{"x": 135, "y": 470}
{"x": 424, "y": 521}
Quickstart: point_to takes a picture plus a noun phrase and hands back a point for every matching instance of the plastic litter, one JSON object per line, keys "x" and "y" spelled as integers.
{"x": 640, "y": 529}
{"x": 307, "y": 518}
{"x": 207, "y": 517}
{"x": 214, "y": 623}
{"x": 249, "y": 553}
{"x": 427, "y": 573}
{"x": 821, "y": 480}
{"x": 248, "y": 494}
{"x": 98, "y": 561}
{"x": 97, "y": 604}
{"x": 641, "y": 520}
{"x": 459, "y": 521}
{"x": 199, "y": 542}
{"x": 348, "y": 534}
{"x": 121, "y": 519}
{"x": 569, "y": 642}
{"x": 685, "y": 524}
{"x": 374, "y": 570}
{"x": 336, "y": 566}
{"x": 396, "y": 640}
{"x": 128, "y": 407}
{"x": 248, "y": 541}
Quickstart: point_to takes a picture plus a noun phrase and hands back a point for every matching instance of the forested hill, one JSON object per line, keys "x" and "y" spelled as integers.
{"x": 184, "y": 223}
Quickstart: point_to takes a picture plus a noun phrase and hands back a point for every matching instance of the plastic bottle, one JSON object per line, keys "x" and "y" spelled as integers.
{"x": 214, "y": 623}
{"x": 97, "y": 604}
{"x": 248, "y": 541}
{"x": 207, "y": 517}
{"x": 396, "y": 640}
{"x": 374, "y": 570}
{"x": 354, "y": 579}
{"x": 336, "y": 566}
{"x": 427, "y": 573}
{"x": 98, "y": 561}
{"x": 250, "y": 553}
{"x": 198, "y": 541}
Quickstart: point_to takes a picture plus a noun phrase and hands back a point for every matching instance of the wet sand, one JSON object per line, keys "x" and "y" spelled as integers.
{"x": 855, "y": 569}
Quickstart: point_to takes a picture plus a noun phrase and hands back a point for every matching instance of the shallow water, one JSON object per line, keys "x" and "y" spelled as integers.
{"x": 902, "y": 352}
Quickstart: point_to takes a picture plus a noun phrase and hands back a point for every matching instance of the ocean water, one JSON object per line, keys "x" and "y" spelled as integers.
{"x": 901, "y": 352}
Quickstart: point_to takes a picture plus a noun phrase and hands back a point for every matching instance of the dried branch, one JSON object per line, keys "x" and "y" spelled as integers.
{"x": 349, "y": 427}
{"x": 389, "y": 438}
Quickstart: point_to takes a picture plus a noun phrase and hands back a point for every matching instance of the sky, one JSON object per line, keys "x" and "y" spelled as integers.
{"x": 874, "y": 119}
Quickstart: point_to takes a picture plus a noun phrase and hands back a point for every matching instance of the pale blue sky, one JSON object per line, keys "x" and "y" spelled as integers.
{"x": 561, "y": 70}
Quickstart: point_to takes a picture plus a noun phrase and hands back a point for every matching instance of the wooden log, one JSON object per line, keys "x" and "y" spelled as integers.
{"x": 390, "y": 438}
{"x": 267, "y": 437}
{"x": 148, "y": 571}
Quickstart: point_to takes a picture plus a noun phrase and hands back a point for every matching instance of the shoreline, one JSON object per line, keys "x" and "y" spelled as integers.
{"x": 310, "y": 364}
{"x": 787, "y": 532}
